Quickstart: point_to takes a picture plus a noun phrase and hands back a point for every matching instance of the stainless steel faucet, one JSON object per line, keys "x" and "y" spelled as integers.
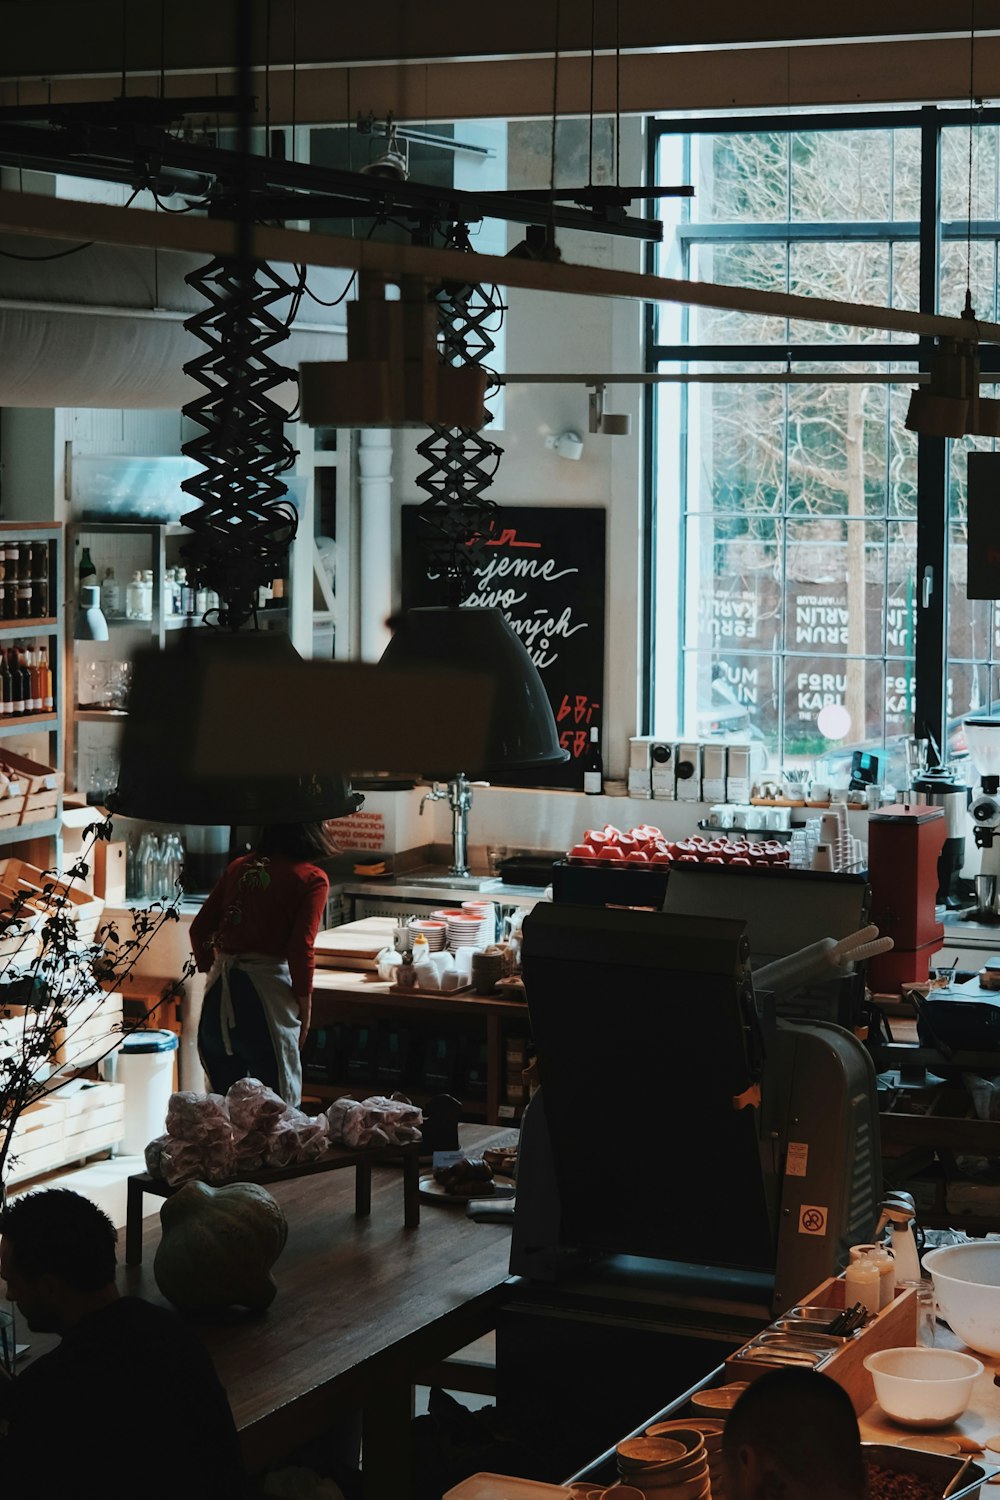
{"x": 459, "y": 794}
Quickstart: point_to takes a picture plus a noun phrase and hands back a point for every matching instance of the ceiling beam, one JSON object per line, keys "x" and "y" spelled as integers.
{"x": 59, "y": 38}
{"x": 886, "y": 72}
{"x": 64, "y": 219}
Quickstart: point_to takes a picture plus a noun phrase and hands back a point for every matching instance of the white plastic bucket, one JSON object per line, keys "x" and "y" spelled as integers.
{"x": 145, "y": 1065}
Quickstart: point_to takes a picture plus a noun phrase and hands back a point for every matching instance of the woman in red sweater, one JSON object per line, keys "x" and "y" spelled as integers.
{"x": 254, "y": 939}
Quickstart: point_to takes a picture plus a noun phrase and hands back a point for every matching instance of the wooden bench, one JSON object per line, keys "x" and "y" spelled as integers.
{"x": 335, "y": 1158}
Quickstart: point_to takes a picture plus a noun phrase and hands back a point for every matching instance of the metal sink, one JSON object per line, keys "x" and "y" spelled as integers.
{"x": 452, "y": 882}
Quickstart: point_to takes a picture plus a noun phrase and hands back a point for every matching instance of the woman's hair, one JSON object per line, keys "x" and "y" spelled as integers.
{"x": 294, "y": 841}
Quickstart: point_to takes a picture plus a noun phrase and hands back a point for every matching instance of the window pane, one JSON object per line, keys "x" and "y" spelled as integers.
{"x": 762, "y": 266}
{"x": 813, "y": 683}
{"x": 955, "y": 172}
{"x": 834, "y": 587}
{"x": 837, "y": 449}
{"x": 742, "y": 178}
{"x": 843, "y": 271}
{"x": 980, "y": 276}
{"x": 735, "y": 449}
{"x": 843, "y": 175}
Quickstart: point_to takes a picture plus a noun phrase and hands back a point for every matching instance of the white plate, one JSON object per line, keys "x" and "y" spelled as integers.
{"x": 503, "y": 1187}
{"x": 501, "y": 1487}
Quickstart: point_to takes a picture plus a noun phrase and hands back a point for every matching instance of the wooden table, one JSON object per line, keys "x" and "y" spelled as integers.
{"x": 363, "y": 1305}
{"x": 333, "y": 1159}
{"x": 339, "y": 994}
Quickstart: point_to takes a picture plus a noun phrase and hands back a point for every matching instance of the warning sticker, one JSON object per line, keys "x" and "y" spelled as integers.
{"x": 812, "y": 1219}
{"x": 797, "y": 1159}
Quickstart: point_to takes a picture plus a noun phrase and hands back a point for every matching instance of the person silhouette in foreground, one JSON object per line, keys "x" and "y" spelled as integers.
{"x": 793, "y": 1435}
{"x": 128, "y": 1402}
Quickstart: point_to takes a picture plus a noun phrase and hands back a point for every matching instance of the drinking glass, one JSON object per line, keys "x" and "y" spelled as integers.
{"x": 926, "y": 1309}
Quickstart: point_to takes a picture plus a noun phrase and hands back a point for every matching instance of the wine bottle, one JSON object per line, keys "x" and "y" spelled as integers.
{"x": 88, "y": 573}
{"x": 593, "y": 766}
{"x": 6, "y": 686}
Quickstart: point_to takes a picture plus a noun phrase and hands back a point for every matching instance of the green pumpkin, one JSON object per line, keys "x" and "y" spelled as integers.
{"x": 218, "y": 1246}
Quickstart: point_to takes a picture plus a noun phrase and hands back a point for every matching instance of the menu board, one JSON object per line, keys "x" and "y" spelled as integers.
{"x": 545, "y": 570}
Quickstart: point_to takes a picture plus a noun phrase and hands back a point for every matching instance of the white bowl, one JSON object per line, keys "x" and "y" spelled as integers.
{"x": 967, "y": 1288}
{"x": 923, "y": 1387}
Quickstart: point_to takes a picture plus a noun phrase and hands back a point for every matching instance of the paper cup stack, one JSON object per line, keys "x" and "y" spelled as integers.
{"x": 711, "y": 1430}
{"x": 673, "y": 1467}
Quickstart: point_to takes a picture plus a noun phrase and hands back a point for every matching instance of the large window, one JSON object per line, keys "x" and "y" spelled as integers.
{"x": 782, "y": 464}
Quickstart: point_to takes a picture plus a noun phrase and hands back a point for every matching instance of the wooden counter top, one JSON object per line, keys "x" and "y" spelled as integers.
{"x": 363, "y": 1305}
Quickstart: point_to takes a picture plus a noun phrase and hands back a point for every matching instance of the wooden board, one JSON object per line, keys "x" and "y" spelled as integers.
{"x": 355, "y": 945}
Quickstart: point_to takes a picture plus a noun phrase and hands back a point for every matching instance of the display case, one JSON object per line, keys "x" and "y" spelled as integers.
{"x": 137, "y": 566}
{"x": 32, "y": 590}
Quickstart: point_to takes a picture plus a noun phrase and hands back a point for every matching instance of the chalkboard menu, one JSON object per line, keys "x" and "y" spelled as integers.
{"x": 545, "y": 570}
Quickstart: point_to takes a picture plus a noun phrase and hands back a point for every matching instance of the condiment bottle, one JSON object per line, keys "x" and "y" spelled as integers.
{"x": 887, "y": 1274}
{"x": 862, "y": 1283}
{"x": 421, "y": 948}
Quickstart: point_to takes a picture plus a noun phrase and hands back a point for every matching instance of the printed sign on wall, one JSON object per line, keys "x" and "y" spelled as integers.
{"x": 545, "y": 570}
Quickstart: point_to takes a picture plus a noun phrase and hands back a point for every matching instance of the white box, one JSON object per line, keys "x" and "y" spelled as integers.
{"x": 713, "y": 773}
{"x": 639, "y": 783}
{"x": 688, "y": 773}
{"x": 738, "y": 773}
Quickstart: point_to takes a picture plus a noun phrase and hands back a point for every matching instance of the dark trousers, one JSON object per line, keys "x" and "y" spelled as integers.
{"x": 253, "y": 1051}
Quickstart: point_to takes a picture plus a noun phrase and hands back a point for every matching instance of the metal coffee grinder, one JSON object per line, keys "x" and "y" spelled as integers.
{"x": 983, "y": 735}
{"x": 940, "y": 787}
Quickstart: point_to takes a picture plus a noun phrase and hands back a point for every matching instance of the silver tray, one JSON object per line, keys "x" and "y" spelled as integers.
{"x": 935, "y": 1468}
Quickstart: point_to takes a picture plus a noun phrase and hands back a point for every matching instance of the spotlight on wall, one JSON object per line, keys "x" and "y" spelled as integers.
{"x": 566, "y": 444}
{"x": 611, "y": 423}
{"x": 393, "y": 162}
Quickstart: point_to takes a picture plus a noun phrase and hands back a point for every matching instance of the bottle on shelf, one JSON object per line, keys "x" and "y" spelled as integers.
{"x": 11, "y": 555}
{"x": 45, "y": 670}
{"x": 593, "y": 765}
{"x": 133, "y": 597}
{"x": 87, "y": 572}
{"x": 172, "y": 858}
{"x": 149, "y": 867}
{"x": 200, "y": 601}
{"x": 6, "y": 687}
{"x": 146, "y": 597}
{"x": 111, "y": 595}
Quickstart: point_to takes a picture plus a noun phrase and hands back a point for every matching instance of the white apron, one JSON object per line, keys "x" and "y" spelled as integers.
{"x": 272, "y": 982}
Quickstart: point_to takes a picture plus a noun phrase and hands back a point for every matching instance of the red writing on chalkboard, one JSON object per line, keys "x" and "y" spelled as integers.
{"x": 580, "y": 709}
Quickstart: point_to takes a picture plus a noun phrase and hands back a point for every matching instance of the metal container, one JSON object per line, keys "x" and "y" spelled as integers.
{"x": 933, "y": 1469}
{"x": 940, "y": 789}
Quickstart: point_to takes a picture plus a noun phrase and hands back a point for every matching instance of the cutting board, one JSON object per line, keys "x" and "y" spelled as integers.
{"x": 354, "y": 945}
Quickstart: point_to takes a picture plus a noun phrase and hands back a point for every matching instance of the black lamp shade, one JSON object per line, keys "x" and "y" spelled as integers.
{"x": 172, "y": 771}
{"x": 522, "y": 732}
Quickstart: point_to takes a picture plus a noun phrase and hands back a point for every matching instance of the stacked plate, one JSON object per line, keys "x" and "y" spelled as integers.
{"x": 711, "y": 1430}
{"x": 435, "y": 931}
{"x": 672, "y": 1467}
{"x": 471, "y": 926}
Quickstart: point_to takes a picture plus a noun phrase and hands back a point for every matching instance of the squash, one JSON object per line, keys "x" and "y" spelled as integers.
{"x": 218, "y": 1246}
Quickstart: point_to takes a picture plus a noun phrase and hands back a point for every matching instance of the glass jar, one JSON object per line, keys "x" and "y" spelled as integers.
{"x": 25, "y": 606}
{"x": 40, "y": 597}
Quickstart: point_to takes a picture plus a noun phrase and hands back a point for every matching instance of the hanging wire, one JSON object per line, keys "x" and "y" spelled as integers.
{"x": 552, "y": 145}
{"x": 593, "y": 53}
{"x": 618, "y": 93}
{"x": 295, "y": 71}
{"x": 124, "y": 42}
{"x": 267, "y": 80}
{"x": 972, "y": 85}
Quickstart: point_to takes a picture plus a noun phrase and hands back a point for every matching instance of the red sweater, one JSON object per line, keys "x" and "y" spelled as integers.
{"x": 273, "y": 906}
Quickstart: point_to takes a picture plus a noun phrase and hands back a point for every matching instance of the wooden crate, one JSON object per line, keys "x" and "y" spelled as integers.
{"x": 91, "y": 1033}
{"x": 95, "y": 1119}
{"x": 17, "y": 877}
{"x": 894, "y": 1327}
{"x": 38, "y": 1139}
{"x": 33, "y": 776}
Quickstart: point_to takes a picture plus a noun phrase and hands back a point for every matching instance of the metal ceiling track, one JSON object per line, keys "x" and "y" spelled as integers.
{"x": 107, "y": 144}
{"x": 61, "y": 219}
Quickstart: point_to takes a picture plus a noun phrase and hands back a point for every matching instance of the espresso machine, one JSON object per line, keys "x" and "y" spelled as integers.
{"x": 983, "y": 736}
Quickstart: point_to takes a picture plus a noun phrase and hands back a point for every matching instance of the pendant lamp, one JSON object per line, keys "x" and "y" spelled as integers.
{"x": 176, "y": 770}
{"x": 521, "y": 732}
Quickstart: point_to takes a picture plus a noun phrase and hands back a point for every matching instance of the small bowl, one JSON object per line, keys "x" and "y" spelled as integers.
{"x": 922, "y": 1387}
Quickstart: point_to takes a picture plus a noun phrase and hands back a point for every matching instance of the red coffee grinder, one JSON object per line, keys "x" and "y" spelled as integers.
{"x": 904, "y": 842}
